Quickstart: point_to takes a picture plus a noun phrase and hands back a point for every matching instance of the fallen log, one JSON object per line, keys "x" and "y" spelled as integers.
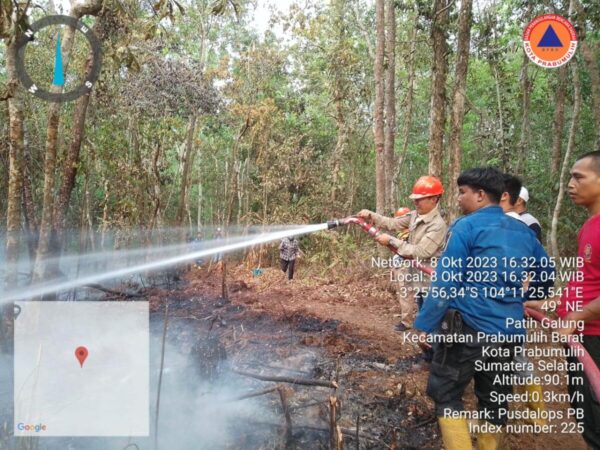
{"x": 290, "y": 380}
{"x": 106, "y": 290}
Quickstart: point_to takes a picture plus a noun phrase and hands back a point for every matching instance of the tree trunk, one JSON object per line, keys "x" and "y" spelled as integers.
{"x": 559, "y": 121}
{"x": 105, "y": 209}
{"x": 526, "y": 88}
{"x": 565, "y": 164}
{"x": 339, "y": 93}
{"x": 31, "y": 223}
{"x": 15, "y": 153}
{"x": 231, "y": 188}
{"x": 72, "y": 163}
{"x": 439, "y": 71}
{"x": 505, "y": 154}
{"x": 380, "y": 179}
{"x": 46, "y": 225}
{"x": 458, "y": 104}
{"x": 591, "y": 61}
{"x": 390, "y": 104}
{"x": 408, "y": 109}
{"x": 156, "y": 190}
{"x": 187, "y": 163}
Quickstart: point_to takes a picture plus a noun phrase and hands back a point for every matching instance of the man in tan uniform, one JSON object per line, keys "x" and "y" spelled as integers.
{"x": 427, "y": 235}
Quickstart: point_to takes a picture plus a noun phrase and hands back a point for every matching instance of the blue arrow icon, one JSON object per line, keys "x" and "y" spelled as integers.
{"x": 59, "y": 76}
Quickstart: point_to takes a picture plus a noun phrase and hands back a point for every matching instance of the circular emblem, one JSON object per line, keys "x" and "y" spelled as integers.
{"x": 58, "y": 80}
{"x": 550, "y": 40}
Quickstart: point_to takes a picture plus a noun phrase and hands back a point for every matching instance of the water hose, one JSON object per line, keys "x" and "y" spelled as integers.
{"x": 589, "y": 365}
{"x": 374, "y": 232}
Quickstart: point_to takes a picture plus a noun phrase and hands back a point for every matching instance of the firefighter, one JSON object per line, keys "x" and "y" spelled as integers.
{"x": 584, "y": 190}
{"x": 427, "y": 232}
{"x": 474, "y": 306}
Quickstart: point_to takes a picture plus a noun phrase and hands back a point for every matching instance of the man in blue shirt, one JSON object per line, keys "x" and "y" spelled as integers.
{"x": 473, "y": 312}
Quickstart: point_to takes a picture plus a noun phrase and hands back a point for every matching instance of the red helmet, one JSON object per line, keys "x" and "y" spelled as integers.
{"x": 401, "y": 212}
{"x": 427, "y": 186}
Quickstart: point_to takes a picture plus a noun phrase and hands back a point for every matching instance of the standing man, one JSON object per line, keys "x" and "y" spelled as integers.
{"x": 426, "y": 235}
{"x": 475, "y": 305}
{"x": 521, "y": 209}
{"x": 581, "y": 300}
{"x": 288, "y": 251}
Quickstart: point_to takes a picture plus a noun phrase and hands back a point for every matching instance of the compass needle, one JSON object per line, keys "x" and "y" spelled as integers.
{"x": 59, "y": 79}
{"x": 59, "y": 76}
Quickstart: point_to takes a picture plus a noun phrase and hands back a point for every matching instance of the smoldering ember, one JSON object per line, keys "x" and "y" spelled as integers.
{"x": 285, "y": 224}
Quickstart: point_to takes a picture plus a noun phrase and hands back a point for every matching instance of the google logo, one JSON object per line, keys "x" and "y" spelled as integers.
{"x": 29, "y": 427}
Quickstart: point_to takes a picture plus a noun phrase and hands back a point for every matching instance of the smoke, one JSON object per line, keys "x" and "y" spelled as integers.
{"x": 195, "y": 413}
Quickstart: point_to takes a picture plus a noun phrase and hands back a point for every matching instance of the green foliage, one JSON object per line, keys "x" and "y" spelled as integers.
{"x": 264, "y": 152}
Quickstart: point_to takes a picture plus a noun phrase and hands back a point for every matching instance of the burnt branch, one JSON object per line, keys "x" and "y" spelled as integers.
{"x": 291, "y": 380}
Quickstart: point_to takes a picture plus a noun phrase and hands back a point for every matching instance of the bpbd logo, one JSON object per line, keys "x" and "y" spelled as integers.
{"x": 37, "y": 427}
{"x": 550, "y": 40}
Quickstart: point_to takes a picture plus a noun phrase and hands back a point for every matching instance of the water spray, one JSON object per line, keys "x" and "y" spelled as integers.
{"x": 42, "y": 289}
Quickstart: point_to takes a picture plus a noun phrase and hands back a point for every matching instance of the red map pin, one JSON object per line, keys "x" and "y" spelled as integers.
{"x": 81, "y": 353}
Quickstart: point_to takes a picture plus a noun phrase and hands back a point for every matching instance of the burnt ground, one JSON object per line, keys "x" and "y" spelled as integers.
{"x": 326, "y": 329}
{"x": 316, "y": 327}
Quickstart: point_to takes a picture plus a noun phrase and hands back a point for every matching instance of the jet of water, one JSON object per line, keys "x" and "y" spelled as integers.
{"x": 41, "y": 289}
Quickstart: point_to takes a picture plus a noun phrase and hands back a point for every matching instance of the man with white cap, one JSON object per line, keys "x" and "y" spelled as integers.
{"x": 521, "y": 209}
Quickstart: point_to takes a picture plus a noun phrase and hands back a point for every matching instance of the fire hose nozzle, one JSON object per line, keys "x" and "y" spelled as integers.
{"x": 334, "y": 223}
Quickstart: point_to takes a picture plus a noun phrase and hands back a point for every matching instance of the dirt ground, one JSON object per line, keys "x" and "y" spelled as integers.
{"x": 352, "y": 320}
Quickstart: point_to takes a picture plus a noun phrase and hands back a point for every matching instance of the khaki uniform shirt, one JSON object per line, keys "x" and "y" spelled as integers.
{"x": 426, "y": 239}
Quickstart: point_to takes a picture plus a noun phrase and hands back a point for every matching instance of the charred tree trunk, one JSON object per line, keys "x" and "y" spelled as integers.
{"x": 390, "y": 104}
{"x": 380, "y": 179}
{"x": 458, "y": 103}
{"x": 439, "y": 71}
